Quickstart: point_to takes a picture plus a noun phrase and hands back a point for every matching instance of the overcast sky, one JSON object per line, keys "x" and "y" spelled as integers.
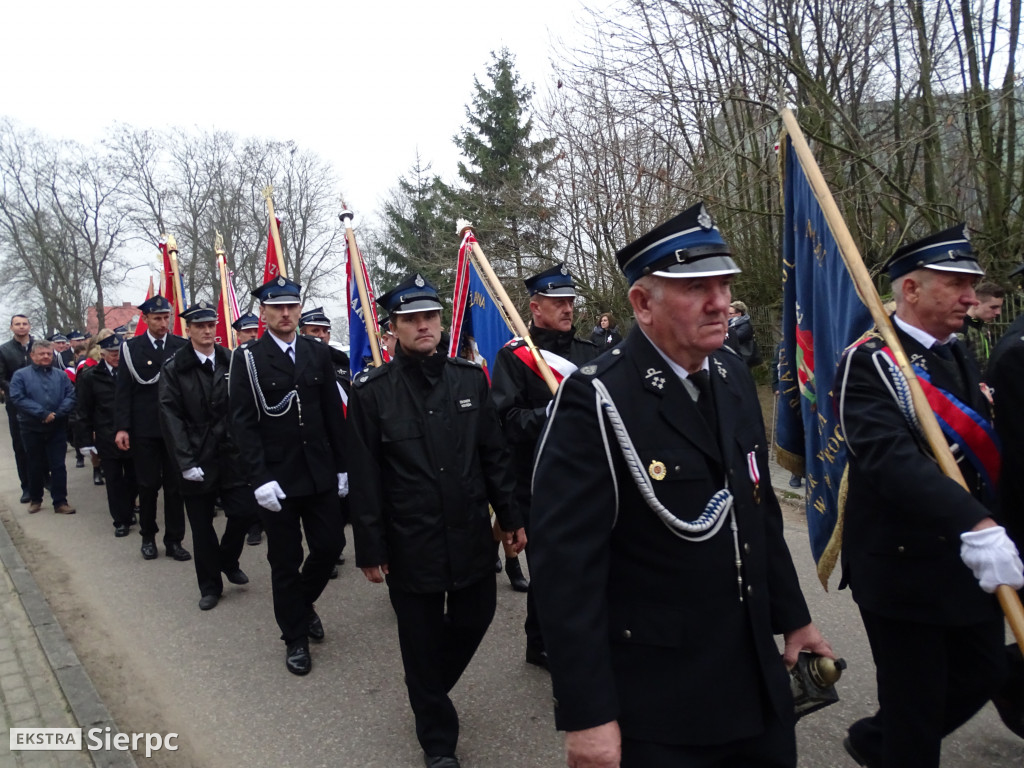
{"x": 364, "y": 85}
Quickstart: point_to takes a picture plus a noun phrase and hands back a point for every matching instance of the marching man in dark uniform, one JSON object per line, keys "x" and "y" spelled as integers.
{"x": 659, "y": 565}
{"x": 137, "y": 425}
{"x": 286, "y": 418}
{"x": 247, "y": 328}
{"x": 14, "y": 354}
{"x": 522, "y": 397}
{"x": 427, "y": 456}
{"x": 194, "y": 417}
{"x": 95, "y": 432}
{"x": 920, "y": 553}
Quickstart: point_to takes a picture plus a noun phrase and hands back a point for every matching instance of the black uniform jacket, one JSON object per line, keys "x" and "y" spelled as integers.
{"x": 1006, "y": 377}
{"x": 136, "y": 404}
{"x": 521, "y": 396}
{"x": 903, "y": 516}
{"x": 303, "y": 449}
{"x": 94, "y": 422}
{"x": 12, "y": 357}
{"x": 427, "y": 457}
{"x": 194, "y": 418}
{"x": 640, "y": 625}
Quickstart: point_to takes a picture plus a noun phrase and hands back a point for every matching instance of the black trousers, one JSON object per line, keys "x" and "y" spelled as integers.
{"x": 437, "y": 646}
{"x": 119, "y": 474}
{"x": 534, "y": 639}
{"x": 44, "y": 456}
{"x": 931, "y": 680}
{"x": 211, "y": 556}
{"x": 18, "y": 445}
{"x": 775, "y": 748}
{"x": 297, "y": 585}
{"x": 155, "y": 468}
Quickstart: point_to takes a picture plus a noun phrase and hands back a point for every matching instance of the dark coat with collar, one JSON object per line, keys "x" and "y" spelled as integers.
{"x": 522, "y": 397}
{"x": 303, "y": 449}
{"x": 642, "y": 626}
{"x": 94, "y": 424}
{"x": 903, "y": 516}
{"x": 426, "y": 461}
{"x": 1006, "y": 377}
{"x": 194, "y": 418}
{"x": 137, "y": 401}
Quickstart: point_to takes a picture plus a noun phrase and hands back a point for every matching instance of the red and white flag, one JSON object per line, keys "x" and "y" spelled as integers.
{"x": 272, "y": 267}
{"x": 177, "y": 326}
{"x": 142, "y": 326}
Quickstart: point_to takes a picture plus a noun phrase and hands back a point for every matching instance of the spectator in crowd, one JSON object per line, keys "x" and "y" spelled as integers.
{"x": 606, "y": 334}
{"x": 740, "y": 338}
{"x": 44, "y": 398}
{"x": 977, "y": 330}
{"x": 14, "y": 354}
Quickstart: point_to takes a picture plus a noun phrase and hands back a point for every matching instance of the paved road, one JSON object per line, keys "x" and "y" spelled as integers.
{"x": 218, "y": 678}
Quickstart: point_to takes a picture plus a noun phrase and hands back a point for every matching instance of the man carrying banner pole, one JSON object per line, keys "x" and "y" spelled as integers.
{"x": 908, "y": 531}
{"x": 522, "y": 397}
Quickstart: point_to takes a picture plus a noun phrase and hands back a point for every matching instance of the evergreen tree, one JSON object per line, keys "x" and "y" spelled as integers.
{"x": 502, "y": 173}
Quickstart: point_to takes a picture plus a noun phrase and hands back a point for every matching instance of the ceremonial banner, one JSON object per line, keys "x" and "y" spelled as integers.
{"x": 821, "y": 316}
{"x": 177, "y": 325}
{"x": 142, "y": 326}
{"x": 232, "y": 298}
{"x": 359, "y": 351}
{"x": 477, "y": 323}
{"x": 223, "y": 321}
{"x": 272, "y": 267}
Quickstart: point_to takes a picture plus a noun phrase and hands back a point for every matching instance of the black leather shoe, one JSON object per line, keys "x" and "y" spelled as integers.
{"x": 25, "y": 498}
{"x": 334, "y": 572}
{"x": 148, "y": 549}
{"x": 852, "y": 752}
{"x": 79, "y": 462}
{"x": 206, "y": 602}
{"x": 120, "y": 531}
{"x": 236, "y": 576}
{"x": 297, "y": 657}
{"x": 254, "y": 536}
{"x": 536, "y": 656}
{"x": 178, "y": 552}
{"x": 97, "y": 477}
{"x": 316, "y": 628}
{"x": 441, "y": 761}
{"x": 497, "y": 565}
{"x": 515, "y": 575}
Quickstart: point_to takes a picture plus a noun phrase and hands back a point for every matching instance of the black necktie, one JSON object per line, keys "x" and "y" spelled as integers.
{"x": 159, "y": 345}
{"x": 705, "y": 401}
{"x": 945, "y": 351}
{"x": 291, "y": 354}
{"x": 208, "y": 366}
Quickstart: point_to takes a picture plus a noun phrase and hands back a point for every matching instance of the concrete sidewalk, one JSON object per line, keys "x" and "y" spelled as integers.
{"x": 42, "y": 682}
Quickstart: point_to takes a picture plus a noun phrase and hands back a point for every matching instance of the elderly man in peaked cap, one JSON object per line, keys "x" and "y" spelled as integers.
{"x": 921, "y": 554}
{"x": 660, "y": 568}
{"x": 286, "y": 417}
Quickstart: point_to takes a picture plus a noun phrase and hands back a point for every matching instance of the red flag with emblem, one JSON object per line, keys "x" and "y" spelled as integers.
{"x": 142, "y": 326}
{"x": 271, "y": 269}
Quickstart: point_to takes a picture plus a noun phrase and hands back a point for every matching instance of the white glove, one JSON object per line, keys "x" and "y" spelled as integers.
{"x": 992, "y": 557}
{"x": 267, "y": 496}
{"x": 194, "y": 474}
{"x": 343, "y": 484}
{"x": 89, "y": 450}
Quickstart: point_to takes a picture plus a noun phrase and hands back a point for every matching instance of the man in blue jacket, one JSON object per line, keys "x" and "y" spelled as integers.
{"x": 43, "y": 397}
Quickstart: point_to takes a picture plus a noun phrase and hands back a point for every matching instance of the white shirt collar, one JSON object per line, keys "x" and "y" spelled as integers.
{"x": 203, "y": 358}
{"x": 153, "y": 339}
{"x": 283, "y": 345}
{"x": 681, "y": 372}
{"x": 112, "y": 369}
{"x": 924, "y": 338}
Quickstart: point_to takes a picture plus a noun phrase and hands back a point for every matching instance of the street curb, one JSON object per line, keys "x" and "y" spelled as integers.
{"x": 86, "y": 705}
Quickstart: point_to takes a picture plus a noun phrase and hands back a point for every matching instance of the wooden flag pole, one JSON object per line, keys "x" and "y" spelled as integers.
{"x": 508, "y": 307}
{"x": 218, "y": 248}
{"x": 268, "y": 193}
{"x": 172, "y": 250}
{"x": 1008, "y": 598}
{"x": 356, "y": 266}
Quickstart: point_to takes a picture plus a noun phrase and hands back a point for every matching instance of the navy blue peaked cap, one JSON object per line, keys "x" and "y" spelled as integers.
{"x": 687, "y": 245}
{"x": 279, "y": 290}
{"x": 200, "y": 312}
{"x": 414, "y": 294}
{"x": 946, "y": 251}
{"x": 314, "y": 316}
{"x": 246, "y": 321}
{"x": 556, "y": 281}
{"x": 155, "y": 306}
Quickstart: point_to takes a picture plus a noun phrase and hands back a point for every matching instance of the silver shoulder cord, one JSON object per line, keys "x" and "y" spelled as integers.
{"x": 257, "y": 394}
{"x": 715, "y": 511}
{"x": 127, "y": 355}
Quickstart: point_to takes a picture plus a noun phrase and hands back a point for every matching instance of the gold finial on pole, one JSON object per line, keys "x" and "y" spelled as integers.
{"x": 218, "y": 243}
